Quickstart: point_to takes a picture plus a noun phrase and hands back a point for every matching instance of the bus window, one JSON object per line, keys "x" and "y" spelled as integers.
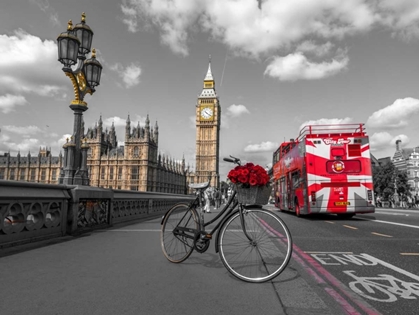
{"x": 354, "y": 150}
{"x": 295, "y": 179}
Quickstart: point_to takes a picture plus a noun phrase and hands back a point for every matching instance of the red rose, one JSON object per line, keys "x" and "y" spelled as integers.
{"x": 253, "y": 180}
{"x": 242, "y": 179}
{"x": 244, "y": 172}
{"x": 249, "y": 174}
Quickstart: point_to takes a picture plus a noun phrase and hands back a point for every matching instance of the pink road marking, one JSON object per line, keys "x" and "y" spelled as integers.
{"x": 316, "y": 270}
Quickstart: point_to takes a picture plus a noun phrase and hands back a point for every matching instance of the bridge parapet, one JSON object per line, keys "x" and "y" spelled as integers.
{"x": 32, "y": 211}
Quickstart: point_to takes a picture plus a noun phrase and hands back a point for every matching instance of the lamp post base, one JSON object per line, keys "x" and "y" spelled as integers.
{"x": 75, "y": 167}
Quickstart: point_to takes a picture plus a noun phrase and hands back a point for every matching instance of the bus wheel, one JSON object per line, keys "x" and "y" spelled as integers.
{"x": 297, "y": 209}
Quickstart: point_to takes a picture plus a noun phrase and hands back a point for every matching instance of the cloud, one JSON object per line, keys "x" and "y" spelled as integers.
{"x": 261, "y": 28}
{"x": 45, "y": 7}
{"x": 236, "y": 110}
{"x": 396, "y": 115}
{"x": 311, "y": 47}
{"x": 262, "y": 147}
{"x": 327, "y": 121}
{"x": 8, "y": 102}
{"x": 172, "y": 18}
{"x": 380, "y": 140}
{"x": 130, "y": 17}
{"x": 24, "y": 145}
{"x": 23, "y": 131}
{"x": 405, "y": 140}
{"x": 296, "y": 66}
{"x": 130, "y": 74}
{"x": 383, "y": 140}
{"x": 402, "y": 17}
{"x": 121, "y": 122}
{"x": 117, "y": 121}
{"x": 61, "y": 141}
{"x": 22, "y": 58}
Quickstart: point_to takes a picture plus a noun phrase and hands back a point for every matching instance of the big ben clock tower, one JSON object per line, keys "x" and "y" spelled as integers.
{"x": 208, "y": 114}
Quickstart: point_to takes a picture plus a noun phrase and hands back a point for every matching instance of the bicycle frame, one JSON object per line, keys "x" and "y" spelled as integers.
{"x": 231, "y": 207}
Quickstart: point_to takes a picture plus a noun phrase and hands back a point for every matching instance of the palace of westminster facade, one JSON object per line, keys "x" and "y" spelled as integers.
{"x": 137, "y": 165}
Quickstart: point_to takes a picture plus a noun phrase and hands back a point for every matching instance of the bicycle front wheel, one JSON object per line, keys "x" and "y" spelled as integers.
{"x": 262, "y": 257}
{"x": 176, "y": 241}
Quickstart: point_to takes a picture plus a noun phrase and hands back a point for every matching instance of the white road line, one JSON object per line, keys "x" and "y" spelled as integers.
{"x": 394, "y": 223}
{"x": 388, "y": 265}
{"x": 396, "y": 211}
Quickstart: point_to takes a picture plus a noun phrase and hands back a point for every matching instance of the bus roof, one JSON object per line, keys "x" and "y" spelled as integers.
{"x": 320, "y": 131}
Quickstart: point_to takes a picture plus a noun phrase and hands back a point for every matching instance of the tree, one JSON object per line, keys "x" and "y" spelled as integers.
{"x": 384, "y": 180}
{"x": 402, "y": 183}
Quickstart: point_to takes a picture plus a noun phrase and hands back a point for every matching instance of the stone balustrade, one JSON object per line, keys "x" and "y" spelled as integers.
{"x": 31, "y": 211}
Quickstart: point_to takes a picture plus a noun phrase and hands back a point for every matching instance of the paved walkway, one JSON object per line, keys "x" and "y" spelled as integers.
{"x": 123, "y": 271}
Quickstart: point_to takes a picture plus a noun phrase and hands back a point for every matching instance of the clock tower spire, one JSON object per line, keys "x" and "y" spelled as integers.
{"x": 208, "y": 114}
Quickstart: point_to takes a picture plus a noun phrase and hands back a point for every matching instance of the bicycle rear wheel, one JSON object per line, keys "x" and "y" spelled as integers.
{"x": 261, "y": 259}
{"x": 177, "y": 245}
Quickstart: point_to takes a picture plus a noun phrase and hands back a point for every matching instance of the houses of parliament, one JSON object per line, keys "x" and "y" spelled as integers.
{"x": 137, "y": 165}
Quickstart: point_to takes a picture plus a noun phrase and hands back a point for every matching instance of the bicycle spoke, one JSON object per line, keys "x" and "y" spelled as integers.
{"x": 178, "y": 247}
{"x": 264, "y": 256}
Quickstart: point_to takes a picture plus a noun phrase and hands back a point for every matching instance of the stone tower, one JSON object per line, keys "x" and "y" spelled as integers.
{"x": 208, "y": 113}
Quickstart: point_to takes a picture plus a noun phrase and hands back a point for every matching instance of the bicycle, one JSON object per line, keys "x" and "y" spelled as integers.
{"x": 254, "y": 244}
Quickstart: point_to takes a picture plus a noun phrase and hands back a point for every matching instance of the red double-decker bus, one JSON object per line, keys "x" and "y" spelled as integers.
{"x": 326, "y": 169}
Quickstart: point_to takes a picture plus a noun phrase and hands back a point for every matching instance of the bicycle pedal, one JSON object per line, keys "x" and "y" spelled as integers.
{"x": 209, "y": 236}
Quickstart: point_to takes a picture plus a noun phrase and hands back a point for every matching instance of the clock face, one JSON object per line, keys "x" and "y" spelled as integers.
{"x": 206, "y": 113}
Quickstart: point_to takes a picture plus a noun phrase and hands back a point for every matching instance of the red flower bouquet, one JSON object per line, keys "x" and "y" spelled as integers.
{"x": 252, "y": 184}
{"x": 249, "y": 175}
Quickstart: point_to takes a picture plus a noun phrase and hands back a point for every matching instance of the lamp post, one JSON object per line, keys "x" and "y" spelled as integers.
{"x": 73, "y": 45}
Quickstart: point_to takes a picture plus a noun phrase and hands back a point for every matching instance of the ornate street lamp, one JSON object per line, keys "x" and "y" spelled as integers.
{"x": 73, "y": 45}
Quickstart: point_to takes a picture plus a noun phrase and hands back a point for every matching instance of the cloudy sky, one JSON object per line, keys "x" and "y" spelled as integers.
{"x": 278, "y": 65}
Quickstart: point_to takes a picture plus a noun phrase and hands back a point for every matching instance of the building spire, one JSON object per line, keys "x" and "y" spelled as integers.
{"x": 209, "y": 75}
{"x": 209, "y": 90}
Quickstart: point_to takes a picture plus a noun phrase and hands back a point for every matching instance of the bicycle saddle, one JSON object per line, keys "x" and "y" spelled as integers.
{"x": 199, "y": 185}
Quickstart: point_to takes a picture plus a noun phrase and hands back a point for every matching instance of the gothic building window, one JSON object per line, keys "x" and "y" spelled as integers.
{"x": 43, "y": 172}
{"x": 53, "y": 174}
{"x": 120, "y": 172}
{"x": 136, "y": 151}
{"x": 111, "y": 172}
{"x": 32, "y": 175}
{"x": 12, "y": 174}
{"x": 103, "y": 172}
{"x": 135, "y": 172}
{"x": 2, "y": 173}
{"x": 22, "y": 174}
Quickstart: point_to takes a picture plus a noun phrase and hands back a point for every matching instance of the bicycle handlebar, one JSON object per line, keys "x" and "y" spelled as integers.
{"x": 232, "y": 159}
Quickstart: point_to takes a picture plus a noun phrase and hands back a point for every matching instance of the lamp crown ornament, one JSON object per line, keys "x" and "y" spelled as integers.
{"x": 73, "y": 45}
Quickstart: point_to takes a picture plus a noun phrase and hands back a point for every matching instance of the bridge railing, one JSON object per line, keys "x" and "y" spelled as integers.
{"x": 31, "y": 211}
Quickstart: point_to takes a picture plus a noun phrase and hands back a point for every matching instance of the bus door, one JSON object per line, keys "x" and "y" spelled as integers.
{"x": 282, "y": 193}
{"x": 294, "y": 187}
{"x": 288, "y": 197}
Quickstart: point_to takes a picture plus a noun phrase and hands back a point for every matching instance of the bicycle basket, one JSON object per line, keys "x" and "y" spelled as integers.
{"x": 254, "y": 195}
